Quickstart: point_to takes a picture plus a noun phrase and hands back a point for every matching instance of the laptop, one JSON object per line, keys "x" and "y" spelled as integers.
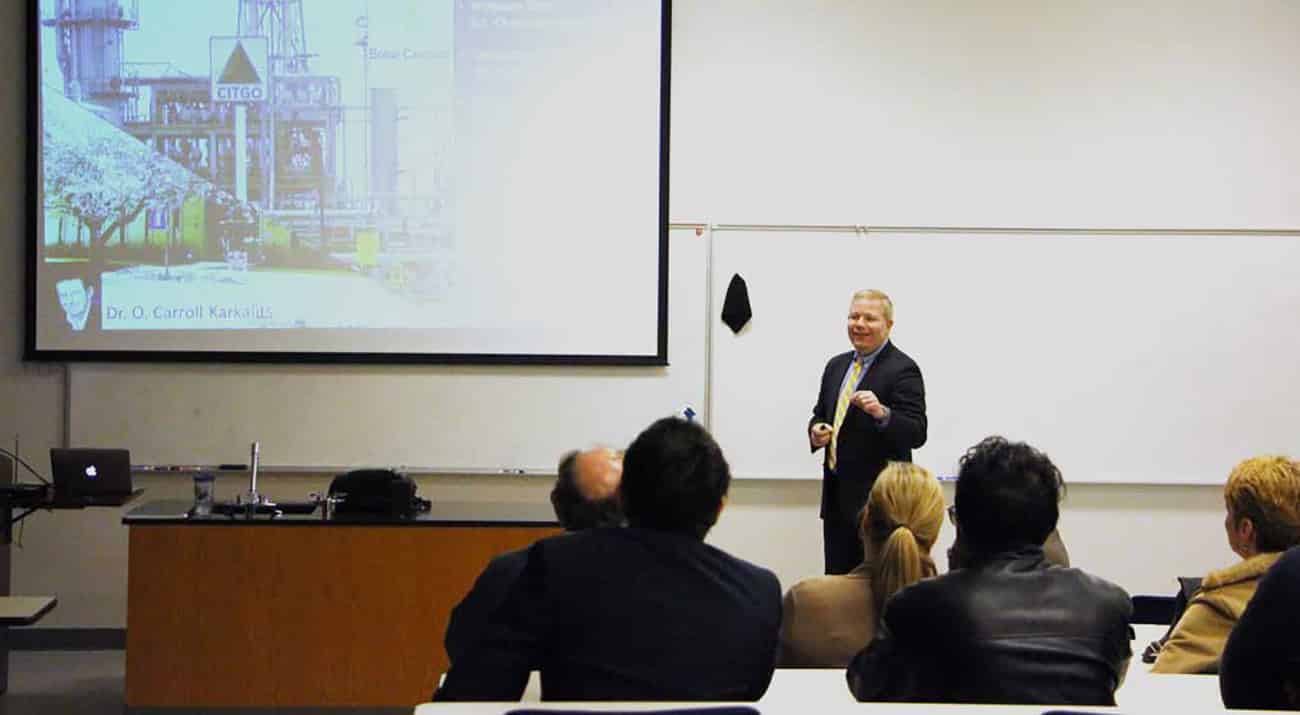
{"x": 93, "y": 477}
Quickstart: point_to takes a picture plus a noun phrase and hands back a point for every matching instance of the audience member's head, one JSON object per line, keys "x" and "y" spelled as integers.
{"x": 1007, "y": 497}
{"x": 900, "y": 523}
{"x": 1262, "y": 498}
{"x": 586, "y": 493}
{"x": 674, "y": 478}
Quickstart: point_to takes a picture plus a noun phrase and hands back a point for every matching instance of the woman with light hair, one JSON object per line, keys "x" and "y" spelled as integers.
{"x": 826, "y": 620}
{"x": 1262, "y": 499}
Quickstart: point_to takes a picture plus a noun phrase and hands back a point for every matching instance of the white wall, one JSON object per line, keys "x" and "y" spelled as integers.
{"x": 1141, "y": 537}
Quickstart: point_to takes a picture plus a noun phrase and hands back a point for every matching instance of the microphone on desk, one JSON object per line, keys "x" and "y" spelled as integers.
{"x": 253, "y": 497}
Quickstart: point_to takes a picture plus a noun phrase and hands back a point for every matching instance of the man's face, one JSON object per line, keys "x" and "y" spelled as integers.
{"x": 957, "y": 553}
{"x": 868, "y": 328}
{"x": 1239, "y": 537}
{"x": 72, "y": 296}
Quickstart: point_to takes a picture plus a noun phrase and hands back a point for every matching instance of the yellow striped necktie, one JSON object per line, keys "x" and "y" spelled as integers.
{"x": 842, "y": 407}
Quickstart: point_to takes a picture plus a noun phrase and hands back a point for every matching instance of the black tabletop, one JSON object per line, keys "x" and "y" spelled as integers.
{"x": 177, "y": 511}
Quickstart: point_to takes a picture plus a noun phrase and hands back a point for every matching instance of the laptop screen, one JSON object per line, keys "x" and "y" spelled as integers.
{"x": 80, "y": 472}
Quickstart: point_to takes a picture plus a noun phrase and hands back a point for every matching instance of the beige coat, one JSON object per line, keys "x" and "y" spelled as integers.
{"x": 826, "y": 620}
{"x": 1197, "y": 641}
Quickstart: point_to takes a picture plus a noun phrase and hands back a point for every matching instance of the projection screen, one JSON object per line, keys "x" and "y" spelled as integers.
{"x": 351, "y": 180}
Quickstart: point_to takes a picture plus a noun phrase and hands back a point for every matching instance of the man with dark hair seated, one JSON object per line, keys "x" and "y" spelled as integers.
{"x": 648, "y": 612}
{"x": 585, "y": 496}
{"x": 1004, "y": 626}
{"x": 1261, "y": 662}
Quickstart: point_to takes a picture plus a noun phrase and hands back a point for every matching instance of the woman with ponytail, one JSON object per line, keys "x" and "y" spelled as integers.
{"x": 828, "y": 619}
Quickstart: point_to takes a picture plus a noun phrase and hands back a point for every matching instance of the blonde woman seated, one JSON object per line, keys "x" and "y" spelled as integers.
{"x": 1263, "y": 503}
{"x": 827, "y": 619}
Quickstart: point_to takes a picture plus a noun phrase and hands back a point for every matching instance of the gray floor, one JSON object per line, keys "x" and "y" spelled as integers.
{"x": 90, "y": 682}
{"x": 87, "y": 682}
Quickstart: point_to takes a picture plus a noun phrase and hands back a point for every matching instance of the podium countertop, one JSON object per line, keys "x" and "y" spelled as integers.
{"x": 177, "y": 512}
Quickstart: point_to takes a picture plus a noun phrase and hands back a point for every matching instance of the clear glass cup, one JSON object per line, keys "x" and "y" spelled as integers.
{"x": 204, "y": 492}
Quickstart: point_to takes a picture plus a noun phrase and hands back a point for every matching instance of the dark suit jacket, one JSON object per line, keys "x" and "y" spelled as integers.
{"x": 627, "y": 614}
{"x": 470, "y": 615}
{"x": 864, "y": 448}
{"x": 1260, "y": 667}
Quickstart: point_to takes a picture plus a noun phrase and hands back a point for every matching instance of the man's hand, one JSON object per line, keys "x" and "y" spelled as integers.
{"x": 819, "y": 435}
{"x": 866, "y": 401}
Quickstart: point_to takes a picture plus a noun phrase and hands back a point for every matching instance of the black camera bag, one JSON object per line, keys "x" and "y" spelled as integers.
{"x": 379, "y": 492}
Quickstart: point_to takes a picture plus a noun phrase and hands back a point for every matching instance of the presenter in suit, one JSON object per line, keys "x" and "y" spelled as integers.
{"x": 870, "y": 410}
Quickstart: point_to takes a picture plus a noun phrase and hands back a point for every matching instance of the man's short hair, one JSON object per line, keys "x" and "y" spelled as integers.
{"x": 887, "y": 305}
{"x": 575, "y": 510}
{"x": 674, "y": 478}
{"x": 1007, "y": 495}
{"x": 1267, "y": 490}
{"x": 69, "y": 283}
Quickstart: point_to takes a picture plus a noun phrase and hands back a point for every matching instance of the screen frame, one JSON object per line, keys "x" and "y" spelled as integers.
{"x": 34, "y": 200}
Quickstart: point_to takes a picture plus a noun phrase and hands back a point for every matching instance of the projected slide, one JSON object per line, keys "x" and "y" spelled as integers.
{"x": 458, "y": 179}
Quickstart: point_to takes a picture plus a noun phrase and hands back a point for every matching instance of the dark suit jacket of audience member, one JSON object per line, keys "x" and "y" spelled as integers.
{"x": 627, "y": 614}
{"x": 1011, "y": 629}
{"x": 490, "y": 588}
{"x": 1260, "y": 667}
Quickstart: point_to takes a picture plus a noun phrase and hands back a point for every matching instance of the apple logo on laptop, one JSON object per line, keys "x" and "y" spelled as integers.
{"x": 91, "y": 472}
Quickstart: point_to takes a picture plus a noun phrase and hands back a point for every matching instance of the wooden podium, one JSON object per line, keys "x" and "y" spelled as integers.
{"x": 299, "y": 611}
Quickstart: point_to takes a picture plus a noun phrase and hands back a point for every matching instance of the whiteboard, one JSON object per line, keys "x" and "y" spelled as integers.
{"x": 1125, "y": 358}
{"x": 453, "y": 419}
